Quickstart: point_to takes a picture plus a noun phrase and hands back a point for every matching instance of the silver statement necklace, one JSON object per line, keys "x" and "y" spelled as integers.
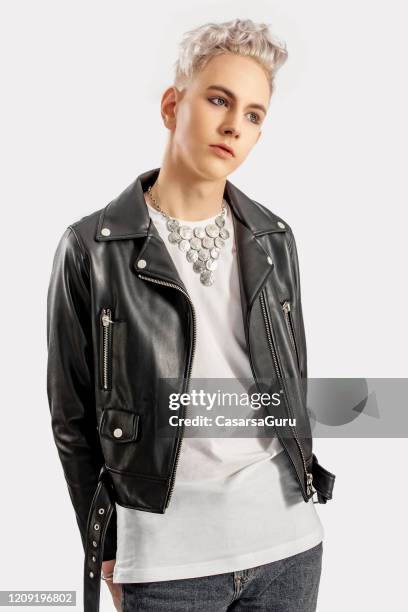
{"x": 202, "y": 245}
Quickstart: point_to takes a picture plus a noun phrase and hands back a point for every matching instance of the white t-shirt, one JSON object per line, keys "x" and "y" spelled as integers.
{"x": 236, "y": 502}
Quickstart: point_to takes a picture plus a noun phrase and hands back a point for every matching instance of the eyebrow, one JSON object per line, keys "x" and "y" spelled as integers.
{"x": 231, "y": 94}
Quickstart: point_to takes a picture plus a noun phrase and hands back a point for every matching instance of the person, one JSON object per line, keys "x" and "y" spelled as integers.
{"x": 183, "y": 277}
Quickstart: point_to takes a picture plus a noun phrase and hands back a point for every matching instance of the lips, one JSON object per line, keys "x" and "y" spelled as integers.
{"x": 224, "y": 148}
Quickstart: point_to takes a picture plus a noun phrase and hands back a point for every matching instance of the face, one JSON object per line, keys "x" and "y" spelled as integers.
{"x": 202, "y": 115}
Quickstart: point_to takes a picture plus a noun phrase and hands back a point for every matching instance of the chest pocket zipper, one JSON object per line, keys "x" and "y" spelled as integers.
{"x": 291, "y": 330}
{"x": 106, "y": 348}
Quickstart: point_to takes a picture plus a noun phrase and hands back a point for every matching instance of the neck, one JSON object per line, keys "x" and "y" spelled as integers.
{"x": 184, "y": 195}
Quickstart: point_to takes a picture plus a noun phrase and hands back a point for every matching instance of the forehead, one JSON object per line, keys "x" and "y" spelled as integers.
{"x": 241, "y": 74}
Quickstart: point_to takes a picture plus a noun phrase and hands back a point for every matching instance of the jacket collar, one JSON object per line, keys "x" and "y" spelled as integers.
{"x": 127, "y": 215}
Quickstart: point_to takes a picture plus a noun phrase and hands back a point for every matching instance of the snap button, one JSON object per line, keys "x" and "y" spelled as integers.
{"x": 94, "y": 558}
{"x": 105, "y": 231}
{"x": 101, "y": 511}
{"x": 117, "y": 432}
{"x": 141, "y": 263}
{"x": 94, "y": 544}
{"x": 91, "y": 574}
{"x": 280, "y": 224}
{"x": 269, "y": 260}
{"x": 96, "y": 526}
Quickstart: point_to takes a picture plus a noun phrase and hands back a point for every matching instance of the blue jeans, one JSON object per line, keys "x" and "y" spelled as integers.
{"x": 287, "y": 585}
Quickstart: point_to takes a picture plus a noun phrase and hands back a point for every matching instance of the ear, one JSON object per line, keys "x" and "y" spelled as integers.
{"x": 168, "y": 106}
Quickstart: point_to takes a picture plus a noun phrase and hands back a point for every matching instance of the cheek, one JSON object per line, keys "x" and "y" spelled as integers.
{"x": 185, "y": 122}
{"x": 251, "y": 138}
{"x": 192, "y": 126}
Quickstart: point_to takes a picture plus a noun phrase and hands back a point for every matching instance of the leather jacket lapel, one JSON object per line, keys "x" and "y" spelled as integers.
{"x": 253, "y": 266}
{"x": 127, "y": 217}
{"x": 156, "y": 259}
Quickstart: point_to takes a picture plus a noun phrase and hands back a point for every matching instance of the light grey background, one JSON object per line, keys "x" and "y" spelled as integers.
{"x": 81, "y": 88}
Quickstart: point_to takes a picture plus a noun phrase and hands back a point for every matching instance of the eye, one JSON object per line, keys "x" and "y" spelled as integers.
{"x": 216, "y": 98}
{"x": 257, "y": 117}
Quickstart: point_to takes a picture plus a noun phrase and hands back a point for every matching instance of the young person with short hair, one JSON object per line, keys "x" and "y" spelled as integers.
{"x": 184, "y": 276}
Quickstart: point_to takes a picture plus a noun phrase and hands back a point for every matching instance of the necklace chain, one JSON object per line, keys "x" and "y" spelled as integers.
{"x": 159, "y": 208}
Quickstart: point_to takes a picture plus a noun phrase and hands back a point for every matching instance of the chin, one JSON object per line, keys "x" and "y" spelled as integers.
{"x": 213, "y": 169}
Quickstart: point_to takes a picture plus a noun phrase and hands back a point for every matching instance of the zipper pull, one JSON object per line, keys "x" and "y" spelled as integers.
{"x": 309, "y": 482}
{"x": 286, "y": 306}
{"x": 106, "y": 320}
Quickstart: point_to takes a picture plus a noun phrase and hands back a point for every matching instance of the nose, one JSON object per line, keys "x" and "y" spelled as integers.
{"x": 230, "y": 126}
{"x": 230, "y": 131}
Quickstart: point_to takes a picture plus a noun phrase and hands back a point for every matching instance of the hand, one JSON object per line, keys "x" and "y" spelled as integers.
{"x": 116, "y": 592}
{"x": 114, "y": 588}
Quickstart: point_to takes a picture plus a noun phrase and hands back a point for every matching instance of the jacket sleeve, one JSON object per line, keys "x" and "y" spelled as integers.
{"x": 70, "y": 380}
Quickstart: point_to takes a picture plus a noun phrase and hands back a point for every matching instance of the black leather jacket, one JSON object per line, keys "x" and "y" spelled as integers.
{"x": 120, "y": 320}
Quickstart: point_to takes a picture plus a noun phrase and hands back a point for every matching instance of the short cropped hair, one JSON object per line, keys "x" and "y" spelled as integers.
{"x": 239, "y": 37}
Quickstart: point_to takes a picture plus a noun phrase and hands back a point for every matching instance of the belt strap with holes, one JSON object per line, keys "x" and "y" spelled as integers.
{"x": 100, "y": 513}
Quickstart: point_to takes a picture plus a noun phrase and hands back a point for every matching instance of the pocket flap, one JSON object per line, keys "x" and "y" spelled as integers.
{"x": 119, "y": 425}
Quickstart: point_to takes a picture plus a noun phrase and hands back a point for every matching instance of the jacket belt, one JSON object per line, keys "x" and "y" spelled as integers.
{"x": 100, "y": 513}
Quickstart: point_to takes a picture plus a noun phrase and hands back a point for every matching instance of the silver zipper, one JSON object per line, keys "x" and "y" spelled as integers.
{"x": 106, "y": 330}
{"x": 289, "y": 324}
{"x": 180, "y": 442}
{"x": 308, "y": 475}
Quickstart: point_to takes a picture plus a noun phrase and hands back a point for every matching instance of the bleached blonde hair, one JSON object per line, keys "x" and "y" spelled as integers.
{"x": 239, "y": 37}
